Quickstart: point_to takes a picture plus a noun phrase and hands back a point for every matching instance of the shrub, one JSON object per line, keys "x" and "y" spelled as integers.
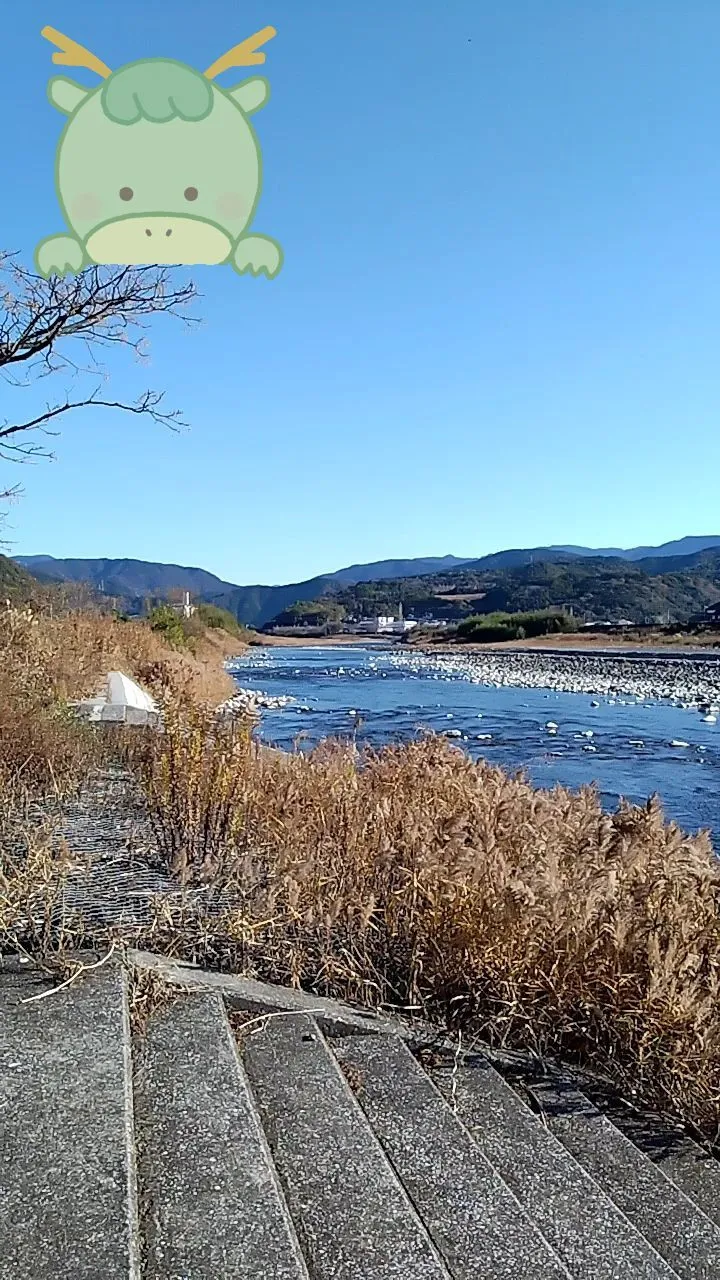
{"x": 211, "y": 615}
{"x": 170, "y": 625}
{"x": 487, "y": 628}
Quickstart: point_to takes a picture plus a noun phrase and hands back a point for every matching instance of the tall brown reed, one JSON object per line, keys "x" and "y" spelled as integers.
{"x": 413, "y": 876}
{"x": 193, "y": 776}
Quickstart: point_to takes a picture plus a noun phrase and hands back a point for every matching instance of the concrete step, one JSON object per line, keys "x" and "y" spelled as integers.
{"x": 354, "y": 1219}
{"x": 593, "y": 1237}
{"x": 474, "y": 1219}
{"x": 211, "y": 1204}
{"x": 673, "y": 1223}
{"x": 693, "y": 1169}
{"x": 67, "y": 1190}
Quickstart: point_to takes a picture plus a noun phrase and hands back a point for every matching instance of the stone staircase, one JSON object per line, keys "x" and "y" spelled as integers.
{"x": 180, "y": 1125}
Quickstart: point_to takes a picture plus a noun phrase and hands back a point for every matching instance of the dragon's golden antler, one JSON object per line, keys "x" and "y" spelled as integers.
{"x": 243, "y": 54}
{"x": 73, "y": 54}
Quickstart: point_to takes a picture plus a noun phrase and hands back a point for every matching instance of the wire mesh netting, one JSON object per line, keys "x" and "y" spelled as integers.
{"x": 115, "y": 873}
{"x": 102, "y": 868}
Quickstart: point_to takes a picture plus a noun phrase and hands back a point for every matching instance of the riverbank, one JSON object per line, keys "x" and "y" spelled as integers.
{"x": 410, "y": 874}
{"x": 312, "y": 642}
{"x": 630, "y": 643}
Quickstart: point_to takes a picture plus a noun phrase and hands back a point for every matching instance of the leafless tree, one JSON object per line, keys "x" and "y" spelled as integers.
{"x": 50, "y": 328}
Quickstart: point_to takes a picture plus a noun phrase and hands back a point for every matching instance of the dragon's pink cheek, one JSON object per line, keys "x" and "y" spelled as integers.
{"x": 86, "y": 205}
{"x": 231, "y": 204}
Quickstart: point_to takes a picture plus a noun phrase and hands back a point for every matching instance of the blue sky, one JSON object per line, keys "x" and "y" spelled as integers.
{"x": 498, "y": 322}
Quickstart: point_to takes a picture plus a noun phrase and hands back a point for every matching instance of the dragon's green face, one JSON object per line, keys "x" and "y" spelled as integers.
{"x": 158, "y": 165}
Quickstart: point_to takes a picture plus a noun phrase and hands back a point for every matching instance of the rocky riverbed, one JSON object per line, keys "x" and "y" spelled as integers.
{"x": 252, "y": 701}
{"x": 684, "y": 682}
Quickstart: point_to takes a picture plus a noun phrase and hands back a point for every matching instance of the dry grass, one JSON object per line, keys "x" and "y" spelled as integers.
{"x": 148, "y": 992}
{"x": 33, "y": 873}
{"x": 193, "y": 778}
{"x": 411, "y": 876}
{"x": 47, "y": 661}
{"x": 69, "y": 656}
{"x": 415, "y": 877}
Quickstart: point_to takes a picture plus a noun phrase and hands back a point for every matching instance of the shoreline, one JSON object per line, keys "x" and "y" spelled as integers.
{"x": 573, "y": 642}
{"x": 569, "y": 644}
{"x": 318, "y": 642}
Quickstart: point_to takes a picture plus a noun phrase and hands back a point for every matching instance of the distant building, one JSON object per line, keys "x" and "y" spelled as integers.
{"x": 609, "y": 626}
{"x": 385, "y": 625}
{"x": 371, "y": 626}
{"x": 401, "y": 627}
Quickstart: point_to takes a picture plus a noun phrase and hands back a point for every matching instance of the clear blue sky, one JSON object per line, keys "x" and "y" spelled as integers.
{"x": 498, "y": 322}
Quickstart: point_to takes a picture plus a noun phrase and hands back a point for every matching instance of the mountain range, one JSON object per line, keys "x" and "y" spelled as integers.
{"x": 697, "y": 557}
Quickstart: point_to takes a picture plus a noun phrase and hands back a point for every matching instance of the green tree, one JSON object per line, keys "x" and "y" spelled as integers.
{"x": 165, "y": 620}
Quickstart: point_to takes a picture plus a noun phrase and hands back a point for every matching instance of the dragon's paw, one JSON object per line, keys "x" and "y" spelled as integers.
{"x": 256, "y": 254}
{"x": 59, "y": 256}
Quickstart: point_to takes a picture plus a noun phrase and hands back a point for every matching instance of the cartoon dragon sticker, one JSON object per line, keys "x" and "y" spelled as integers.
{"x": 158, "y": 165}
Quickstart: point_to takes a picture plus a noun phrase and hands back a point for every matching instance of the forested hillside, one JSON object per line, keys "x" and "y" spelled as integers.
{"x": 597, "y": 588}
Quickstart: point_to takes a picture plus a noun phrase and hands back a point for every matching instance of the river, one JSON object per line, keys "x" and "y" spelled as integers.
{"x": 621, "y": 743}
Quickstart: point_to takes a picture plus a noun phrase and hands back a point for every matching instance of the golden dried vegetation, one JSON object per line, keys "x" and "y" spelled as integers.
{"x": 409, "y": 876}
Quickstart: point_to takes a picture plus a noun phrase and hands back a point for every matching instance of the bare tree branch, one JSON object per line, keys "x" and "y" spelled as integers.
{"x": 149, "y": 403}
{"x": 101, "y": 305}
{"x": 43, "y": 322}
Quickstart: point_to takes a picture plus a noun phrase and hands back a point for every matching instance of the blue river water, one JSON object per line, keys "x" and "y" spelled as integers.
{"x": 625, "y": 748}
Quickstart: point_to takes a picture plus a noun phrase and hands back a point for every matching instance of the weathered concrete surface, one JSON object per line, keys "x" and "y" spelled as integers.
{"x": 695, "y": 1171}
{"x": 66, "y": 1195}
{"x": 475, "y": 1221}
{"x": 595, "y": 1240}
{"x": 211, "y": 1205}
{"x": 670, "y": 1220}
{"x": 339, "y": 1163}
{"x": 354, "y": 1219}
{"x": 247, "y": 993}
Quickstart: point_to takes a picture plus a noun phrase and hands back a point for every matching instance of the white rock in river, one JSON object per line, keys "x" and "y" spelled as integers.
{"x": 710, "y": 719}
{"x": 594, "y": 703}
{"x": 551, "y": 725}
{"x": 677, "y": 742}
{"x": 453, "y": 733}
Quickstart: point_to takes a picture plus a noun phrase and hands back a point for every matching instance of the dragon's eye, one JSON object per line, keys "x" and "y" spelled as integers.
{"x": 191, "y": 193}
{"x": 126, "y": 193}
